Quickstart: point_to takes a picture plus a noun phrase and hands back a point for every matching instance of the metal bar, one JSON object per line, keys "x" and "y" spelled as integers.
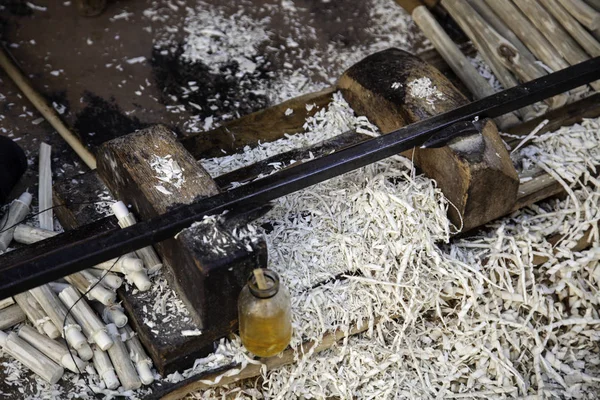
{"x": 32, "y": 269}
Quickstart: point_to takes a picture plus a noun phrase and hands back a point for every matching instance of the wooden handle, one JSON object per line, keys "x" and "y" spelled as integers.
{"x": 47, "y": 112}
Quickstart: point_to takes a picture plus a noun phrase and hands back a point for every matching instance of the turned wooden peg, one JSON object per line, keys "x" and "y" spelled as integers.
{"x": 26, "y": 234}
{"x": 113, "y": 314}
{"x": 36, "y": 315}
{"x": 107, "y": 279}
{"x": 31, "y": 357}
{"x": 17, "y": 211}
{"x": 394, "y": 88}
{"x": 86, "y": 317}
{"x": 105, "y": 369}
{"x": 143, "y": 363}
{"x": 130, "y": 266}
{"x": 87, "y": 283}
{"x": 119, "y": 355}
{"x": 53, "y": 349}
{"x": 11, "y": 316}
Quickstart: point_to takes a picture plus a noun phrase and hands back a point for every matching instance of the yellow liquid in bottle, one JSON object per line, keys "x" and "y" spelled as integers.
{"x": 268, "y": 335}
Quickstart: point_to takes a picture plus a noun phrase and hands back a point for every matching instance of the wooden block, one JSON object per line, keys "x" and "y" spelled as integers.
{"x": 394, "y": 88}
{"x": 207, "y": 275}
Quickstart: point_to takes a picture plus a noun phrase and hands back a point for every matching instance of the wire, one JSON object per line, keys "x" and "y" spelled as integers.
{"x": 64, "y": 324}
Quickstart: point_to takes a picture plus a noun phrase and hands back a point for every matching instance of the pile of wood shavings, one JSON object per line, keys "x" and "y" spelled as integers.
{"x": 422, "y": 88}
{"x": 475, "y": 318}
{"x": 168, "y": 172}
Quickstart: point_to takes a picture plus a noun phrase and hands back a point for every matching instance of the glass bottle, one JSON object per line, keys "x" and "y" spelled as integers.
{"x": 264, "y": 314}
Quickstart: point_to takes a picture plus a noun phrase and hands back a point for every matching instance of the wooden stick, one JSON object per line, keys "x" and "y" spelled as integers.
{"x": 11, "y": 316}
{"x": 528, "y": 34}
{"x": 46, "y": 216}
{"x": 17, "y": 211}
{"x": 31, "y": 357}
{"x": 120, "y": 359}
{"x": 113, "y": 314}
{"x": 36, "y": 315}
{"x": 26, "y": 234}
{"x": 585, "y": 14}
{"x": 147, "y": 254}
{"x": 455, "y": 58}
{"x": 490, "y": 42}
{"x": 138, "y": 355}
{"x": 261, "y": 282}
{"x": 57, "y": 312}
{"x": 47, "y": 112}
{"x": 107, "y": 279}
{"x": 53, "y": 349}
{"x": 105, "y": 369}
{"x": 6, "y": 302}
{"x": 86, "y": 284}
{"x": 571, "y": 25}
{"x": 86, "y": 317}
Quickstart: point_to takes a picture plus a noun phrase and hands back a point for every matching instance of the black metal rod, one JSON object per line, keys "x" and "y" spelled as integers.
{"x": 68, "y": 257}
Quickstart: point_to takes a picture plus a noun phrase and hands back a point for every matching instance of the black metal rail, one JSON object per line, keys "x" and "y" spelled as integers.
{"x": 77, "y": 250}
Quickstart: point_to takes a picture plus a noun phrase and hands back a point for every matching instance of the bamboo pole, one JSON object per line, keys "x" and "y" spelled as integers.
{"x": 455, "y": 58}
{"x": 566, "y": 46}
{"x": 120, "y": 359}
{"x": 47, "y": 112}
{"x": 36, "y": 315}
{"x": 87, "y": 318}
{"x": 571, "y": 25}
{"x": 46, "y": 216}
{"x": 52, "y": 349}
{"x": 105, "y": 369}
{"x": 11, "y": 316}
{"x": 584, "y": 13}
{"x": 17, "y": 211}
{"x": 31, "y": 357}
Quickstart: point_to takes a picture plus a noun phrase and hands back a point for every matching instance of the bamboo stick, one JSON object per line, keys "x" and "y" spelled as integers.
{"x": 529, "y": 35}
{"x": 455, "y": 58}
{"x": 47, "y": 112}
{"x": 87, "y": 318}
{"x": 11, "y": 316}
{"x": 6, "y": 302}
{"x": 53, "y": 349}
{"x": 584, "y": 13}
{"x": 143, "y": 363}
{"x": 566, "y": 46}
{"x": 147, "y": 254}
{"x": 17, "y": 211}
{"x": 105, "y": 369}
{"x": 46, "y": 216}
{"x": 57, "y": 312}
{"x": 36, "y": 315}
{"x": 31, "y": 357}
{"x": 571, "y": 25}
{"x": 120, "y": 359}
{"x": 490, "y": 42}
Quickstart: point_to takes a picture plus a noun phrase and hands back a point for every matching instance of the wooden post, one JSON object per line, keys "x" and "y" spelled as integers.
{"x": 86, "y": 317}
{"x": 571, "y": 25}
{"x": 17, "y": 211}
{"x": 105, "y": 369}
{"x": 54, "y": 350}
{"x": 382, "y": 87}
{"x": 459, "y": 63}
{"x": 491, "y": 43}
{"x": 584, "y": 13}
{"x": 31, "y": 357}
{"x": 36, "y": 314}
{"x": 561, "y": 40}
{"x": 11, "y": 316}
{"x": 120, "y": 359}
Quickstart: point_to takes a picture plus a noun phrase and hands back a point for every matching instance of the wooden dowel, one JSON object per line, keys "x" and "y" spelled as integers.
{"x": 86, "y": 283}
{"x": 105, "y": 369}
{"x": 86, "y": 317}
{"x": 455, "y": 58}
{"x": 31, "y": 357}
{"x": 571, "y": 25}
{"x": 17, "y": 211}
{"x": 36, "y": 315}
{"x": 11, "y": 316}
{"x": 53, "y": 349}
{"x": 26, "y": 234}
{"x": 562, "y": 41}
{"x": 107, "y": 279}
{"x": 143, "y": 363}
{"x": 119, "y": 355}
{"x": 57, "y": 312}
{"x": 47, "y": 112}
{"x": 529, "y": 35}
{"x": 46, "y": 216}
{"x": 584, "y": 13}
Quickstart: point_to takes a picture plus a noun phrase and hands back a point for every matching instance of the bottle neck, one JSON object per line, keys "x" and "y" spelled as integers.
{"x": 272, "y": 279}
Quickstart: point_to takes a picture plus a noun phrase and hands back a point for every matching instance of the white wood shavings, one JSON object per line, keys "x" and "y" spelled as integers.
{"x": 422, "y": 88}
{"x": 136, "y": 60}
{"x": 167, "y": 171}
{"x": 195, "y": 332}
